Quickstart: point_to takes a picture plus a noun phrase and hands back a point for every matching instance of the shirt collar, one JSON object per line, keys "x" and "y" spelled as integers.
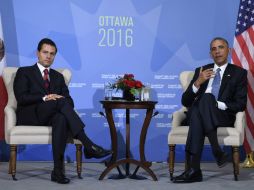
{"x": 223, "y": 67}
{"x": 42, "y": 68}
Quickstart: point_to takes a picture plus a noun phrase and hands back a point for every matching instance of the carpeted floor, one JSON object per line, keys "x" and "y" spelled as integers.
{"x": 36, "y": 176}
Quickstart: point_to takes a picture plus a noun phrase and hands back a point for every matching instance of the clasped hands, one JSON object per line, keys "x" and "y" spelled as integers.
{"x": 203, "y": 76}
{"x": 53, "y": 97}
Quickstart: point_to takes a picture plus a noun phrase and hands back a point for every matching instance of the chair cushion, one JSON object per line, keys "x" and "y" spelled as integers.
{"x": 222, "y": 131}
{"x": 23, "y": 134}
{"x": 30, "y": 130}
{"x": 226, "y": 136}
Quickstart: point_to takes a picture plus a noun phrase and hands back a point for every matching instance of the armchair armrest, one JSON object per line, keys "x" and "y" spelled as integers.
{"x": 178, "y": 117}
{"x": 240, "y": 122}
{"x": 10, "y": 118}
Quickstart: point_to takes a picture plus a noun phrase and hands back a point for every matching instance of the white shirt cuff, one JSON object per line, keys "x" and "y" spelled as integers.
{"x": 222, "y": 105}
{"x": 44, "y": 98}
{"x": 194, "y": 88}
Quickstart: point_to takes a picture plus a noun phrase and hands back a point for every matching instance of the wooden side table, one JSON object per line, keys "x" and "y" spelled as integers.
{"x": 114, "y": 163}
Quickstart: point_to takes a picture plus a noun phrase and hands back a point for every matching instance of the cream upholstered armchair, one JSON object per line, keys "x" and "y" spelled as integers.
{"x": 229, "y": 136}
{"x": 16, "y": 135}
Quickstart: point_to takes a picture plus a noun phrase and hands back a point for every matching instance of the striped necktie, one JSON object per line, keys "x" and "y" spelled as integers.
{"x": 46, "y": 79}
{"x": 216, "y": 83}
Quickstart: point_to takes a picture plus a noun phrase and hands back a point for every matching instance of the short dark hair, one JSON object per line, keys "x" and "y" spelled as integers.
{"x": 218, "y": 38}
{"x": 46, "y": 41}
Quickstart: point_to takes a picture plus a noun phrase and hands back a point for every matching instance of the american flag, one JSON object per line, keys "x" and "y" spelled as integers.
{"x": 243, "y": 56}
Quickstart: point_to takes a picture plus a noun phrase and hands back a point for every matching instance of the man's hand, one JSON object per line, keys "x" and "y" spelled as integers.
{"x": 53, "y": 97}
{"x": 203, "y": 76}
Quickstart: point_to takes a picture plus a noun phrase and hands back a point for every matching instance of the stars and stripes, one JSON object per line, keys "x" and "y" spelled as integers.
{"x": 243, "y": 56}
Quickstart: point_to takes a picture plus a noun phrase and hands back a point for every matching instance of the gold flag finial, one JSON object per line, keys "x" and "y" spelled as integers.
{"x": 248, "y": 162}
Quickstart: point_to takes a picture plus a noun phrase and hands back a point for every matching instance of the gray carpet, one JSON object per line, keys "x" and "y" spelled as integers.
{"x": 36, "y": 176}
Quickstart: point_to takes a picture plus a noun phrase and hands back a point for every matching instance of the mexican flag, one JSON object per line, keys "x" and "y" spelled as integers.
{"x": 3, "y": 93}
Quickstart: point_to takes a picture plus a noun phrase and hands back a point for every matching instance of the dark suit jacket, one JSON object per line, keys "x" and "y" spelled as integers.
{"x": 29, "y": 91}
{"x": 233, "y": 90}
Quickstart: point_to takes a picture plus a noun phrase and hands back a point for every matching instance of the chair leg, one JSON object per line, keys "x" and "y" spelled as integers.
{"x": 171, "y": 161}
{"x": 12, "y": 161}
{"x": 79, "y": 159}
{"x": 235, "y": 154}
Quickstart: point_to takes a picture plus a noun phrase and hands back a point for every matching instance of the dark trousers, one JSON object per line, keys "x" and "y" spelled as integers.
{"x": 64, "y": 120}
{"x": 203, "y": 118}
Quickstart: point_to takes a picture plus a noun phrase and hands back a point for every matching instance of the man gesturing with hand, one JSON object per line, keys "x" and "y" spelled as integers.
{"x": 215, "y": 94}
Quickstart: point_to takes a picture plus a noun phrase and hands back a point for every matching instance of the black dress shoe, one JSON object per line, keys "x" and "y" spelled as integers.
{"x": 59, "y": 177}
{"x": 222, "y": 160}
{"x": 96, "y": 151}
{"x": 189, "y": 176}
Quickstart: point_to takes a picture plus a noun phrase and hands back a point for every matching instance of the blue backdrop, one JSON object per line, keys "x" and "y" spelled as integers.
{"x": 101, "y": 39}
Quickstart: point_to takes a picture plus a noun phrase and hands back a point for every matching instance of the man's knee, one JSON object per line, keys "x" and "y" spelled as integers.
{"x": 56, "y": 105}
{"x": 49, "y": 105}
{"x": 208, "y": 97}
{"x": 62, "y": 102}
{"x": 194, "y": 110}
{"x": 59, "y": 120}
{"x": 60, "y": 125}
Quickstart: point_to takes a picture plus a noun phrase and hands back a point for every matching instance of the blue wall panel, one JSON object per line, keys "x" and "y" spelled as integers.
{"x": 101, "y": 39}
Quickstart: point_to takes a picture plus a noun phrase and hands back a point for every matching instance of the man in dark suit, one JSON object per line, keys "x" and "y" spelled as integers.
{"x": 43, "y": 99}
{"x": 216, "y": 93}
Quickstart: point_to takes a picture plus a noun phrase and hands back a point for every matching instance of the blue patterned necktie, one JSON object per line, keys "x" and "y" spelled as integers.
{"x": 216, "y": 83}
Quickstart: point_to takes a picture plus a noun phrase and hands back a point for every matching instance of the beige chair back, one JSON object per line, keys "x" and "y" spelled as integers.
{"x": 185, "y": 78}
{"x": 9, "y": 74}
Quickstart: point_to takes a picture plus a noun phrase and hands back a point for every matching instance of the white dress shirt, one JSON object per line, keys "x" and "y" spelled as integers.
{"x": 42, "y": 73}
{"x": 221, "y": 105}
{"x": 42, "y": 69}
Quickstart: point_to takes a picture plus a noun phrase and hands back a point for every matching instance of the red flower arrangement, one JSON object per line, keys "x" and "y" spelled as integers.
{"x": 128, "y": 83}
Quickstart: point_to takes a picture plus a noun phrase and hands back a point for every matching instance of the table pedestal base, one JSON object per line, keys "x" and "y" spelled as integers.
{"x": 144, "y": 165}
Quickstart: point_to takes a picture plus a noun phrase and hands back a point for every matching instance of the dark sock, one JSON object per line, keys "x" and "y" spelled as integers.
{"x": 87, "y": 143}
{"x": 213, "y": 139}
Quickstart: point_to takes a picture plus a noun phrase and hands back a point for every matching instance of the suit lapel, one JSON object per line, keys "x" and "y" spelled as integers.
{"x": 226, "y": 78}
{"x": 52, "y": 78}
